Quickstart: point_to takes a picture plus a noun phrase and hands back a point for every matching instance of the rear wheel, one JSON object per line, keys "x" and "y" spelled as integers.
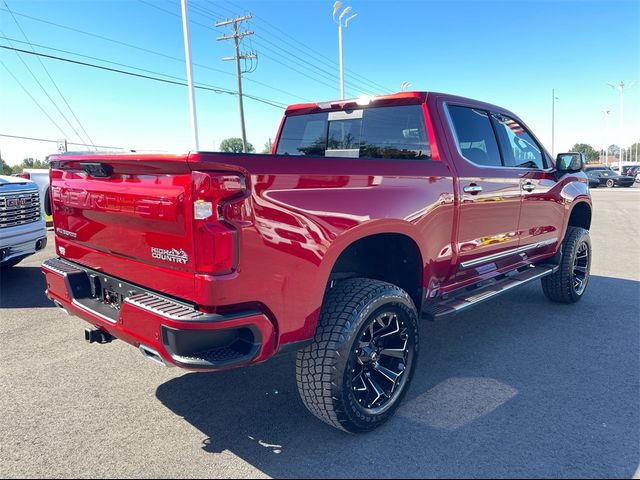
{"x": 569, "y": 282}
{"x": 359, "y": 366}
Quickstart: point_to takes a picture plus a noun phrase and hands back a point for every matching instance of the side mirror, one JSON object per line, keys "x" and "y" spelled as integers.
{"x": 570, "y": 162}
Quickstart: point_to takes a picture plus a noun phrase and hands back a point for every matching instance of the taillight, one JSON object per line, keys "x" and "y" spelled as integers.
{"x": 25, "y": 175}
{"x": 216, "y": 249}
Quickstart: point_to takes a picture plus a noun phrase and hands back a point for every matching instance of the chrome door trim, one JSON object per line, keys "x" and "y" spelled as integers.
{"x": 507, "y": 253}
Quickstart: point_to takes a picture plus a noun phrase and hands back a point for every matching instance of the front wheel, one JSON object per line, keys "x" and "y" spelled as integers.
{"x": 569, "y": 282}
{"x": 359, "y": 366}
{"x": 611, "y": 183}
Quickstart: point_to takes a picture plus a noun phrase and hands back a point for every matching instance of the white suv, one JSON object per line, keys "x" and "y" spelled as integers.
{"x": 22, "y": 226}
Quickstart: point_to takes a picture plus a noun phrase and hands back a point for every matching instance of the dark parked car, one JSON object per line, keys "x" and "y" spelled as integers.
{"x": 594, "y": 180}
{"x": 607, "y": 177}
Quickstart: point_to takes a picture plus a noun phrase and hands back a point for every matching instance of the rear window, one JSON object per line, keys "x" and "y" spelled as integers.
{"x": 383, "y": 132}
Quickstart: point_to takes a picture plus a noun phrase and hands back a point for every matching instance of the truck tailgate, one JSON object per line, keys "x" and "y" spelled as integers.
{"x": 123, "y": 213}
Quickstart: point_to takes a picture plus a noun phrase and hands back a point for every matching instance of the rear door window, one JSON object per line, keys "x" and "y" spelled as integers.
{"x": 474, "y": 136}
{"x": 395, "y": 132}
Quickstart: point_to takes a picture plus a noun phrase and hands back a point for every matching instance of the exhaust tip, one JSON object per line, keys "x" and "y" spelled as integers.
{"x": 61, "y": 307}
{"x": 151, "y": 354}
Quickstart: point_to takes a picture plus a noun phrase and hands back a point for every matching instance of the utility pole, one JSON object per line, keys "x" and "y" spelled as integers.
{"x": 237, "y": 36}
{"x": 187, "y": 55}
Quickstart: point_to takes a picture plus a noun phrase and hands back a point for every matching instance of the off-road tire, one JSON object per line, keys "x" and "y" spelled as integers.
{"x": 561, "y": 285}
{"x": 324, "y": 368}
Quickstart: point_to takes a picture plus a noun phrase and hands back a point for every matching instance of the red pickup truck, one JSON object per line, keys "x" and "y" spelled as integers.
{"x": 369, "y": 215}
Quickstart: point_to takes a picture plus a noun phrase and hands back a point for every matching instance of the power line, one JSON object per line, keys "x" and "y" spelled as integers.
{"x": 143, "y": 49}
{"x": 213, "y": 15}
{"x": 148, "y": 77}
{"x": 56, "y": 141}
{"x": 327, "y": 61}
{"x": 296, "y": 59}
{"x": 49, "y": 75}
{"x": 199, "y": 10}
{"x": 44, "y": 90}
{"x": 209, "y": 14}
{"x": 91, "y": 58}
{"x": 253, "y": 97}
{"x": 303, "y": 63}
{"x": 34, "y": 99}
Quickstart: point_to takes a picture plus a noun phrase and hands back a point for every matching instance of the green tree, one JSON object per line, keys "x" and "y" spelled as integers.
{"x": 30, "y": 163}
{"x": 613, "y": 149}
{"x": 590, "y": 154}
{"x": 234, "y": 145}
{"x": 4, "y": 168}
{"x": 632, "y": 151}
{"x": 34, "y": 163}
{"x": 267, "y": 147}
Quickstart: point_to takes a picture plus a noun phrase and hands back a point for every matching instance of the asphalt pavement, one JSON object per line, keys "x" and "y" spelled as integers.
{"x": 518, "y": 387}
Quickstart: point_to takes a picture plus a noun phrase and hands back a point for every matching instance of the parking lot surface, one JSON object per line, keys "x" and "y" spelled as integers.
{"x": 518, "y": 387}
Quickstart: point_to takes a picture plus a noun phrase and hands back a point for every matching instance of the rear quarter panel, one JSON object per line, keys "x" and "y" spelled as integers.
{"x": 305, "y": 211}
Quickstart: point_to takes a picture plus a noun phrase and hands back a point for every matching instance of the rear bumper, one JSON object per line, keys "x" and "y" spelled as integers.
{"x": 175, "y": 331}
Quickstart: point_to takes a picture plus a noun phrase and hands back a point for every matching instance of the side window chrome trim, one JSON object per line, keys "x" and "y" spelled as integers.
{"x": 457, "y": 142}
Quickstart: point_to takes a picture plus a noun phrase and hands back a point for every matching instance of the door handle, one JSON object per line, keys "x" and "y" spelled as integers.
{"x": 529, "y": 187}
{"x": 473, "y": 189}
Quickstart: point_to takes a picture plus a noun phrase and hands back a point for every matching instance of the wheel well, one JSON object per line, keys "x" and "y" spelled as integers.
{"x": 390, "y": 257}
{"x": 581, "y": 216}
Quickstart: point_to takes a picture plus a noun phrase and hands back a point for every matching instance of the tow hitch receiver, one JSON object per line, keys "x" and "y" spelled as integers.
{"x": 95, "y": 335}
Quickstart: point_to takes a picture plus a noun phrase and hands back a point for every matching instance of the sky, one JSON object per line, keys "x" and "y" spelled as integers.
{"x": 510, "y": 53}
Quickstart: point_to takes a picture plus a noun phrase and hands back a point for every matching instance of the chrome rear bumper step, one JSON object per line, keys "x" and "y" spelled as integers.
{"x": 472, "y": 297}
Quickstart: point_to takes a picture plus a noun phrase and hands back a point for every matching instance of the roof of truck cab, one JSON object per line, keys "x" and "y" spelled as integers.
{"x": 399, "y": 98}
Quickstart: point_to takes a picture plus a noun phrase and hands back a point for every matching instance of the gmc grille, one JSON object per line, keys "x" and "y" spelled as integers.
{"x": 19, "y": 208}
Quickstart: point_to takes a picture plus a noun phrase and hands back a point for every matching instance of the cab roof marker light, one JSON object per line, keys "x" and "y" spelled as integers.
{"x": 364, "y": 100}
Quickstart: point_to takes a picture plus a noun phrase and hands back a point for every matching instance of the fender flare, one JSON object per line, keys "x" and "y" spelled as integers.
{"x": 351, "y": 236}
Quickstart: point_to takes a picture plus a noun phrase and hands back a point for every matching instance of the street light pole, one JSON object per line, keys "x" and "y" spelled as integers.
{"x": 553, "y": 120}
{"x": 187, "y": 56}
{"x": 339, "y": 21}
{"x": 606, "y": 114}
{"x": 341, "y": 64}
{"x": 620, "y": 87}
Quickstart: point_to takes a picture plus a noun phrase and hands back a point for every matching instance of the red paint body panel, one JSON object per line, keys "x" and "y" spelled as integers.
{"x": 295, "y": 217}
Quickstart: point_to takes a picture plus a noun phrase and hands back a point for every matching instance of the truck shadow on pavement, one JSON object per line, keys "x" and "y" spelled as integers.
{"x": 519, "y": 387}
{"x": 23, "y": 287}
